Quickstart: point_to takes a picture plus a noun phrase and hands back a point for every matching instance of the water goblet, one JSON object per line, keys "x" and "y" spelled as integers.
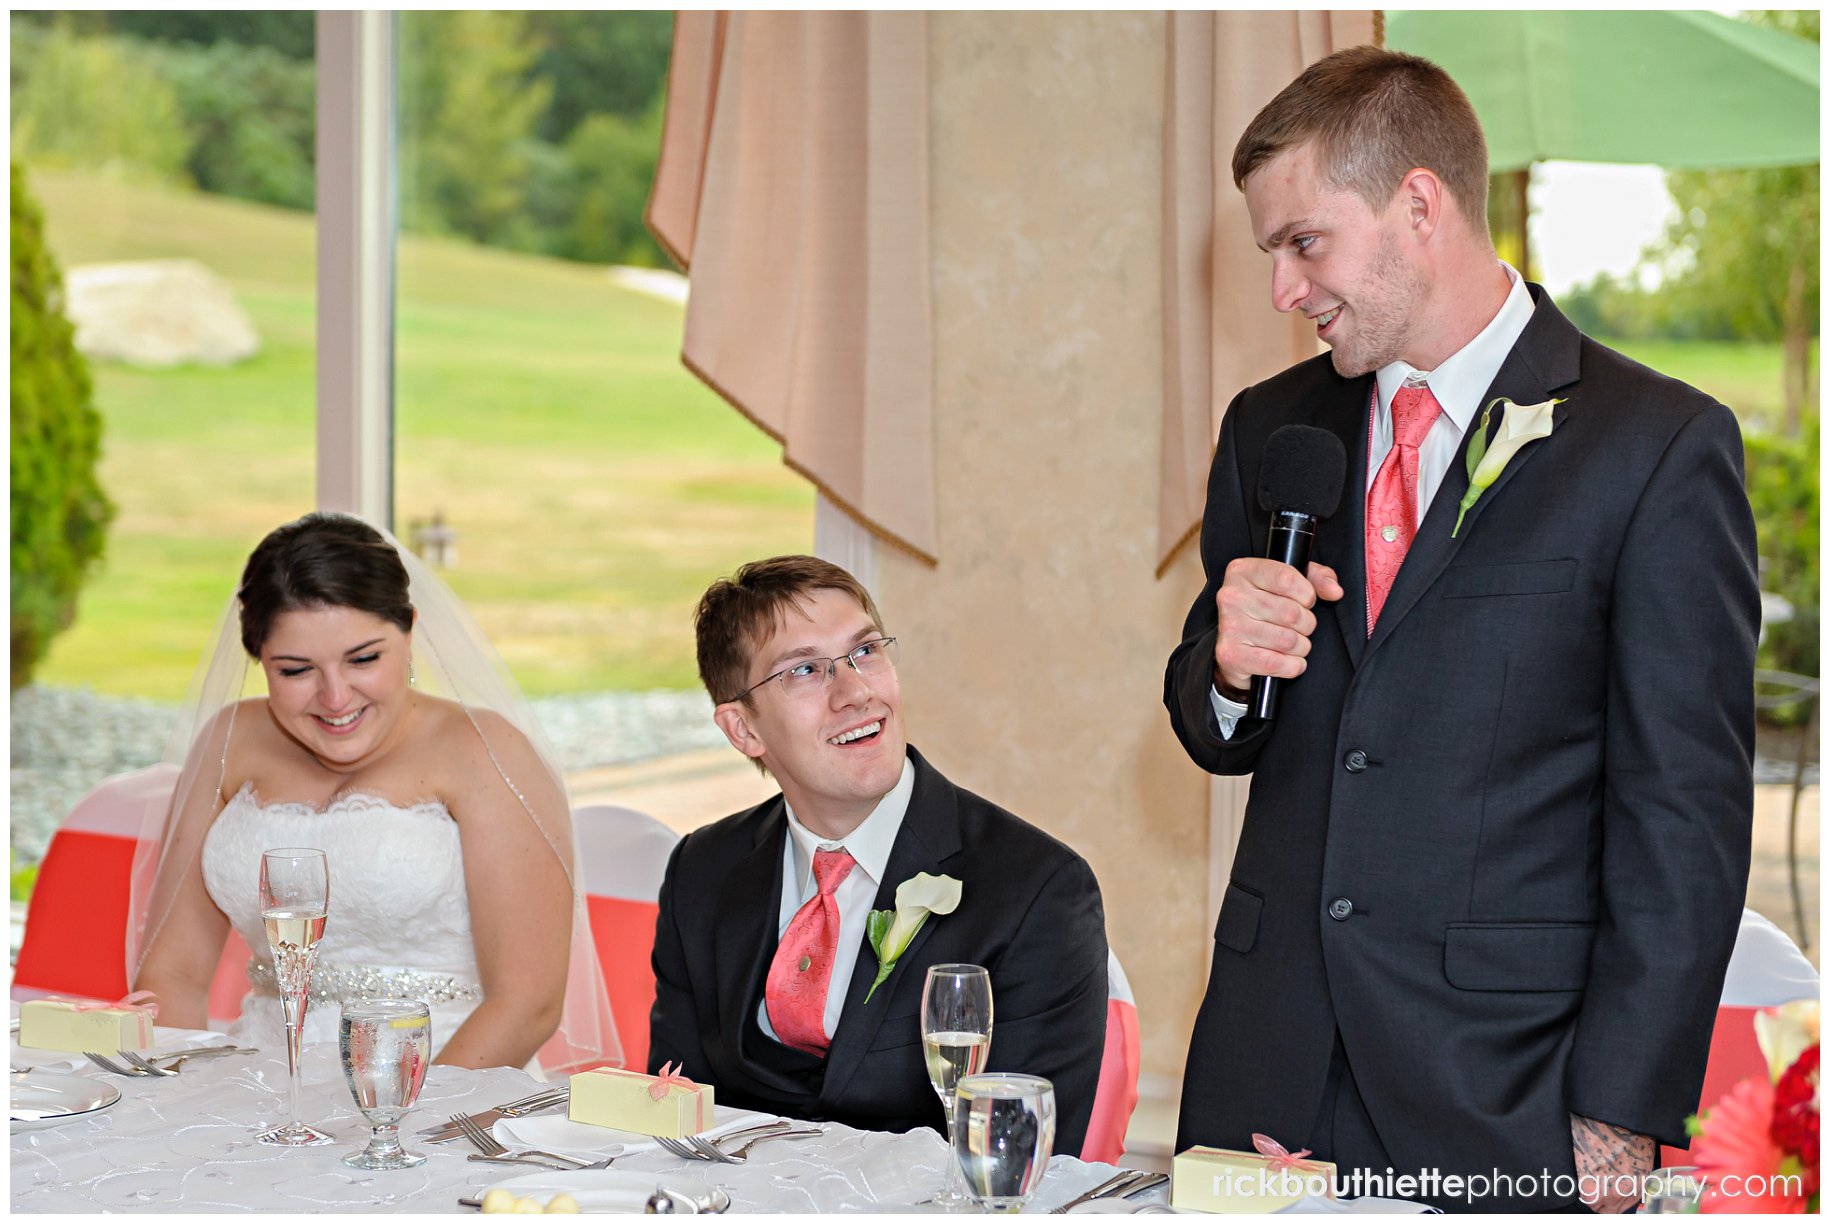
{"x": 1673, "y": 1191}
{"x": 955, "y": 1039}
{"x": 385, "y": 1046}
{"x": 295, "y": 900}
{"x": 1003, "y": 1135}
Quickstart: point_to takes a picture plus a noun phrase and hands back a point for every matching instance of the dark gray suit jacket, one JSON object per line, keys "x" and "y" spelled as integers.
{"x": 1501, "y": 845}
{"x": 1029, "y": 912}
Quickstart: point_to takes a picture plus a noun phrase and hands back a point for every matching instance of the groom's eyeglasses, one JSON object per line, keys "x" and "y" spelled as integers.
{"x": 805, "y": 677}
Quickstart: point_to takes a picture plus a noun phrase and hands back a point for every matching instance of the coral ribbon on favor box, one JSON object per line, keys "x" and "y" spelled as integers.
{"x": 130, "y": 1002}
{"x": 1279, "y": 1156}
{"x": 670, "y": 1077}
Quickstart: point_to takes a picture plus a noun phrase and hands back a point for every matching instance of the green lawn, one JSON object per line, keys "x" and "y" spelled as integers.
{"x": 597, "y": 486}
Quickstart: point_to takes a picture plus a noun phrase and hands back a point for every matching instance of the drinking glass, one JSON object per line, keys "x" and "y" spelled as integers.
{"x": 295, "y": 900}
{"x": 1673, "y": 1191}
{"x": 385, "y": 1045}
{"x": 955, "y": 1038}
{"x": 1003, "y": 1134}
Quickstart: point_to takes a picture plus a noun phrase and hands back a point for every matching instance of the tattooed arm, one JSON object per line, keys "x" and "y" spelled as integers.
{"x": 1611, "y": 1163}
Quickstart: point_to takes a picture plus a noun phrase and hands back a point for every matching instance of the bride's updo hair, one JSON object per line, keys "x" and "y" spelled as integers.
{"x": 321, "y": 561}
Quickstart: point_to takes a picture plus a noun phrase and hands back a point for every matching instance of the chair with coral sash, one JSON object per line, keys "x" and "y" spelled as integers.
{"x": 1765, "y": 970}
{"x": 76, "y": 922}
{"x": 625, "y": 855}
{"x": 1116, "y": 1097}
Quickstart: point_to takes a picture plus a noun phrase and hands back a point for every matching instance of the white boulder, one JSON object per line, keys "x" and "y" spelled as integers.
{"x": 156, "y": 313}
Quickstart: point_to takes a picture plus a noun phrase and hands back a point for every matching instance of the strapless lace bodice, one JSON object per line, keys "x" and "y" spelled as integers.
{"x": 399, "y": 912}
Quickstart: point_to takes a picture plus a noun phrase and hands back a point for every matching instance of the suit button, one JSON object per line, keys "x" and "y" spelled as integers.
{"x": 1340, "y": 909}
{"x": 1356, "y": 761}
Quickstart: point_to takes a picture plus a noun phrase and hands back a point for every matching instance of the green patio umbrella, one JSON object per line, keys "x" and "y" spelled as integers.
{"x": 1690, "y": 90}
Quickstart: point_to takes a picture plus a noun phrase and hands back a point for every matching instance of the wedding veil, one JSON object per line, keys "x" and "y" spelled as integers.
{"x": 452, "y": 659}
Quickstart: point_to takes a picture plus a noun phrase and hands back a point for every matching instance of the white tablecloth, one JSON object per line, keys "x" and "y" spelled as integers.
{"x": 187, "y": 1143}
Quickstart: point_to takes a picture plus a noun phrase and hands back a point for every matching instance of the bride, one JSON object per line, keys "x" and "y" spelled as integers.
{"x": 391, "y": 738}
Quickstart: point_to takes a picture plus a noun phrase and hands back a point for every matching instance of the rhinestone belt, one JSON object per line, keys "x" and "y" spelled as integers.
{"x": 342, "y": 983}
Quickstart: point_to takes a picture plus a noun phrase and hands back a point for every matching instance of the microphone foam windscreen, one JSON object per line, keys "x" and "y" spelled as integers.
{"x": 1303, "y": 470}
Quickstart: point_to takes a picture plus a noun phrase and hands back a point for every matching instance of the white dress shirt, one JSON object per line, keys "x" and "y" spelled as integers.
{"x": 870, "y": 844}
{"x": 1458, "y": 383}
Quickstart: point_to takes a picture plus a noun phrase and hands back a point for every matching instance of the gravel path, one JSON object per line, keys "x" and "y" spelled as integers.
{"x": 67, "y": 740}
{"x": 64, "y": 741}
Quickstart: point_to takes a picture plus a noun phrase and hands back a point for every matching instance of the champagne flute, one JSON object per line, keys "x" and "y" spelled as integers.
{"x": 1003, "y": 1135}
{"x": 956, "y": 1039}
{"x": 385, "y": 1045}
{"x": 295, "y": 900}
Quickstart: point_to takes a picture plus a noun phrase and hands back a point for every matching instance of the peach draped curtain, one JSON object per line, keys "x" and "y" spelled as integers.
{"x": 793, "y": 187}
{"x": 1220, "y": 333}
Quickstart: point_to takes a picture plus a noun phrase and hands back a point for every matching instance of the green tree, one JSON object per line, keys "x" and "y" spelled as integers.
{"x": 94, "y": 102}
{"x": 1742, "y": 256}
{"x": 612, "y": 163}
{"x": 469, "y": 102}
{"x": 60, "y": 513}
{"x": 1782, "y": 487}
{"x": 600, "y": 63}
{"x": 291, "y": 32}
{"x": 251, "y": 113}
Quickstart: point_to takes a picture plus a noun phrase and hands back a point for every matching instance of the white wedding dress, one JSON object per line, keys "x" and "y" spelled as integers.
{"x": 399, "y": 924}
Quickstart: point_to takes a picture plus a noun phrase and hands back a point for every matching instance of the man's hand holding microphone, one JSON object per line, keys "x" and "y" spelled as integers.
{"x": 1266, "y": 604}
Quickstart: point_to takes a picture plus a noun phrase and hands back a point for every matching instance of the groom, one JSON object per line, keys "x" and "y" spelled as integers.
{"x": 766, "y": 985}
{"x": 1494, "y": 856}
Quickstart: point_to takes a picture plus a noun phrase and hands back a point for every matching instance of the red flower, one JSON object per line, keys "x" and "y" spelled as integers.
{"x": 1735, "y": 1150}
{"x": 1794, "y": 1126}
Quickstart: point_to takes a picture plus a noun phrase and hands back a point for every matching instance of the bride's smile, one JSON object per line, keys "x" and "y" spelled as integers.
{"x": 337, "y": 682}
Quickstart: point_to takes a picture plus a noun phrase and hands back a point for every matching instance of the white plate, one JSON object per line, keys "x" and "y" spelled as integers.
{"x": 610, "y": 1191}
{"x": 48, "y": 1098}
{"x": 558, "y": 1133}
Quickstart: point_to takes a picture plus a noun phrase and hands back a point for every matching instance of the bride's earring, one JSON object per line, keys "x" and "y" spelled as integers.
{"x": 411, "y": 678}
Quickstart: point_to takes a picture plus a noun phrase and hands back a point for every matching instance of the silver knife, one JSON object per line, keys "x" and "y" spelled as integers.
{"x": 1148, "y": 1182}
{"x": 1111, "y": 1186}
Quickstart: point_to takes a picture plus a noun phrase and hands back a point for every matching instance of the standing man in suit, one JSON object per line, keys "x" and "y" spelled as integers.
{"x": 763, "y": 971}
{"x": 1498, "y": 835}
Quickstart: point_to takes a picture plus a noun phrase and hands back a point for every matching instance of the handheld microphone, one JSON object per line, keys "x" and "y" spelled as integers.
{"x": 1299, "y": 483}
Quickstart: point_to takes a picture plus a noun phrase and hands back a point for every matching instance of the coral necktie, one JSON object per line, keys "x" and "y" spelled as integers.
{"x": 1391, "y": 503}
{"x": 801, "y": 973}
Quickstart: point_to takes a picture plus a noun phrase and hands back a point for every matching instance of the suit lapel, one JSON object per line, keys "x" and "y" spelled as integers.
{"x": 929, "y": 836}
{"x": 749, "y": 907}
{"x": 1340, "y": 540}
{"x": 1545, "y": 359}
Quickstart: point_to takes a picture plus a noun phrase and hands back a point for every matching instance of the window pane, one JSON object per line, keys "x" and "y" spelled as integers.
{"x": 171, "y": 154}
{"x": 542, "y": 414}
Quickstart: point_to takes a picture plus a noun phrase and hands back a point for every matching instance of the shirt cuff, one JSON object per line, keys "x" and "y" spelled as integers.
{"x": 1227, "y": 713}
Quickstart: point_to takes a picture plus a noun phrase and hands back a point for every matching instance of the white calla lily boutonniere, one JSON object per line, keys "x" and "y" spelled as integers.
{"x": 1519, "y": 424}
{"x": 891, "y": 930}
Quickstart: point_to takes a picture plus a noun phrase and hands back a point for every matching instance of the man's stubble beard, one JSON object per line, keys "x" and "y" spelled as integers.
{"x": 1385, "y": 313}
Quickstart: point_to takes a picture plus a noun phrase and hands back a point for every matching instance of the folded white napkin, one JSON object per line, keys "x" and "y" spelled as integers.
{"x": 165, "y": 1041}
{"x": 558, "y": 1133}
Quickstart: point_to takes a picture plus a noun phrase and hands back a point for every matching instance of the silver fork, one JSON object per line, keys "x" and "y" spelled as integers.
{"x": 681, "y": 1150}
{"x": 135, "y": 1060}
{"x": 698, "y": 1147}
{"x": 159, "y": 1064}
{"x": 490, "y": 1148}
{"x": 738, "y": 1154}
{"x": 545, "y": 1099}
{"x": 108, "y": 1064}
{"x": 686, "y": 1151}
